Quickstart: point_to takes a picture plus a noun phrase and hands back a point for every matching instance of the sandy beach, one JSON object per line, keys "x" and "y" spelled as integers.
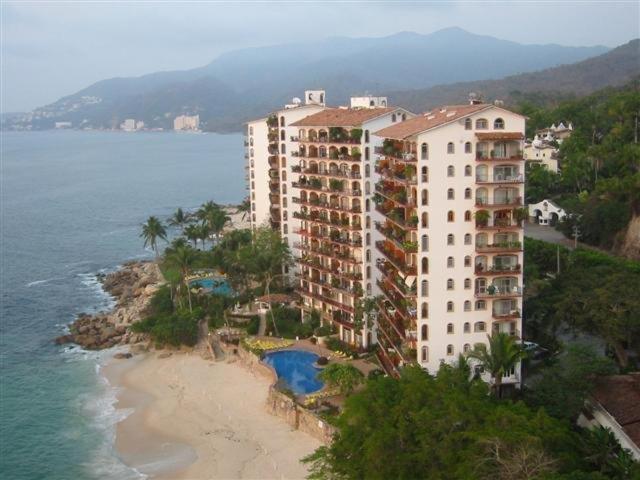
{"x": 200, "y": 419}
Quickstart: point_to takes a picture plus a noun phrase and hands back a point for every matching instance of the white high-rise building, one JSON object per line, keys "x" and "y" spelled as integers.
{"x": 451, "y": 200}
{"x": 333, "y": 179}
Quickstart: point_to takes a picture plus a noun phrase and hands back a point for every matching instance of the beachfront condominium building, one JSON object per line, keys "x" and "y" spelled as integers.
{"x": 269, "y": 145}
{"x": 450, "y": 216}
{"x": 333, "y": 177}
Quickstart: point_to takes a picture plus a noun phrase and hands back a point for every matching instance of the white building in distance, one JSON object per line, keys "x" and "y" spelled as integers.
{"x": 187, "y": 122}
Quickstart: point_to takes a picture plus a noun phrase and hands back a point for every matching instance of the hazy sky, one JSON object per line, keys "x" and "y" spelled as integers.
{"x": 51, "y": 49}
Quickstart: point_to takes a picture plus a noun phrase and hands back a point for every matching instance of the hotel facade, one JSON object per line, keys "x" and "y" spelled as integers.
{"x": 421, "y": 213}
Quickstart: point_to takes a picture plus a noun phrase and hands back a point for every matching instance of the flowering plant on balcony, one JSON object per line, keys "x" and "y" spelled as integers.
{"x": 482, "y": 218}
{"x": 338, "y": 134}
{"x": 335, "y": 185}
{"x": 355, "y": 134}
{"x": 391, "y": 147}
{"x": 520, "y": 214}
{"x": 413, "y": 220}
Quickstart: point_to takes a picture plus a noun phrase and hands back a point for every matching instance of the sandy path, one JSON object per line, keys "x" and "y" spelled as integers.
{"x": 197, "y": 419}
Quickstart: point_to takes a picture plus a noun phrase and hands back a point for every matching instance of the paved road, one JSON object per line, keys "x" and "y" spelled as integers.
{"x": 546, "y": 233}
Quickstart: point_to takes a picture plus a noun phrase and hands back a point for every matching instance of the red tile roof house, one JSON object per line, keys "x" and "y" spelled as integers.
{"x": 615, "y": 404}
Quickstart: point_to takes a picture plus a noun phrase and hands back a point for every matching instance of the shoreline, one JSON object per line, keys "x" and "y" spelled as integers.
{"x": 197, "y": 418}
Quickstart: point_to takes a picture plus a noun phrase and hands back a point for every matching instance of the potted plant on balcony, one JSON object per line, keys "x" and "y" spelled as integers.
{"x": 491, "y": 289}
{"x": 355, "y": 134}
{"x": 335, "y": 185}
{"x": 355, "y": 153}
{"x": 520, "y": 215}
{"x": 413, "y": 220}
{"x": 482, "y": 218}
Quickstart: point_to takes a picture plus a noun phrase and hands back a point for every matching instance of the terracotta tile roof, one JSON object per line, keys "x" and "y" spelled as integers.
{"x": 620, "y": 396}
{"x": 436, "y": 117}
{"x": 499, "y": 135}
{"x": 342, "y": 117}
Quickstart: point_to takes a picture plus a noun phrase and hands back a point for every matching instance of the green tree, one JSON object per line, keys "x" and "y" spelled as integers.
{"x": 244, "y": 207}
{"x": 563, "y": 387}
{"x": 153, "y": 230}
{"x": 502, "y": 355}
{"x": 344, "y": 376}
{"x": 178, "y": 219}
{"x": 192, "y": 232}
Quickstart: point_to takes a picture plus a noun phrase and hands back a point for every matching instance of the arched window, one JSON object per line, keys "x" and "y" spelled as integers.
{"x": 425, "y": 220}
{"x": 283, "y": 161}
{"x": 368, "y": 255}
{"x": 285, "y": 216}
{"x": 450, "y": 284}
{"x": 285, "y": 229}
{"x": 479, "y": 327}
{"x": 467, "y": 147}
{"x": 449, "y": 350}
{"x": 467, "y": 306}
{"x": 467, "y": 124}
{"x": 404, "y": 117}
{"x": 425, "y": 175}
{"x": 425, "y": 265}
{"x": 393, "y": 117}
{"x": 367, "y": 205}
{"x": 424, "y": 151}
{"x": 366, "y": 153}
{"x": 467, "y": 193}
{"x": 425, "y": 354}
{"x": 368, "y": 272}
{"x": 367, "y": 171}
{"x": 450, "y": 262}
{"x": 368, "y": 239}
{"x": 451, "y": 194}
{"x": 451, "y": 148}
{"x": 481, "y": 305}
{"x": 450, "y": 239}
{"x": 367, "y": 221}
{"x": 451, "y": 216}
{"x": 424, "y": 288}
{"x": 366, "y": 136}
{"x": 498, "y": 124}
{"x": 284, "y": 176}
{"x": 283, "y": 148}
{"x": 482, "y": 124}
{"x": 367, "y": 188}
{"x": 425, "y": 243}
{"x": 467, "y": 239}
{"x": 467, "y": 283}
{"x": 251, "y": 141}
{"x": 424, "y": 310}
{"x": 449, "y": 306}
{"x": 467, "y": 171}
{"x": 425, "y": 196}
{"x": 449, "y": 328}
{"x": 282, "y": 135}
{"x": 467, "y": 327}
{"x": 282, "y": 121}
{"x": 467, "y": 261}
{"x": 251, "y": 152}
{"x": 250, "y": 130}
{"x": 424, "y": 333}
{"x": 451, "y": 171}
{"x": 284, "y": 191}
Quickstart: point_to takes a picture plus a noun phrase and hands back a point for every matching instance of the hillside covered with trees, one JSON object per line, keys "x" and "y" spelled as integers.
{"x": 599, "y": 181}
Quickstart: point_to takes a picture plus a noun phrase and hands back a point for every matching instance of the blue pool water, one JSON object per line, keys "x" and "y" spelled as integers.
{"x": 296, "y": 368}
{"x": 214, "y": 285}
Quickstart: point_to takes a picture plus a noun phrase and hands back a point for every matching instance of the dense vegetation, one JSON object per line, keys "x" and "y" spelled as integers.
{"x": 448, "y": 427}
{"x": 594, "y": 293}
{"x": 599, "y": 183}
{"x": 252, "y": 262}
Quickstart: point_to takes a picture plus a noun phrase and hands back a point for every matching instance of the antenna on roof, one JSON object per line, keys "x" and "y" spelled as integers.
{"x": 474, "y": 99}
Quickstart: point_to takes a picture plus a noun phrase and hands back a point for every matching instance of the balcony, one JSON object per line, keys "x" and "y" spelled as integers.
{"x": 393, "y": 151}
{"x": 498, "y": 156}
{"x": 394, "y": 260}
{"x": 326, "y": 299}
{"x": 506, "y": 315}
{"x": 499, "y": 179}
{"x": 405, "y": 308}
{"x": 395, "y": 280}
{"x": 332, "y": 173}
{"x": 498, "y": 224}
{"x": 499, "y": 202}
{"x": 496, "y": 292}
{"x": 341, "y": 224}
{"x": 500, "y": 247}
{"x": 326, "y": 252}
{"x": 338, "y": 240}
{"x": 350, "y": 276}
{"x": 395, "y": 195}
{"x": 400, "y": 243}
{"x": 410, "y": 224}
{"x": 498, "y": 269}
{"x": 316, "y": 185}
{"x": 326, "y": 205}
{"x": 333, "y": 285}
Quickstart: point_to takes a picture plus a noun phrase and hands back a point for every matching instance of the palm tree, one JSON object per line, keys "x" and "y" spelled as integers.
{"x": 244, "y": 207}
{"x": 152, "y": 231}
{"x": 203, "y": 233}
{"x": 503, "y": 354}
{"x": 192, "y": 232}
{"x": 178, "y": 219}
{"x": 216, "y": 221}
{"x": 182, "y": 259}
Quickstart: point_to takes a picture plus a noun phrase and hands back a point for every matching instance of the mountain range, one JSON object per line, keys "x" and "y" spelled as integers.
{"x": 414, "y": 70}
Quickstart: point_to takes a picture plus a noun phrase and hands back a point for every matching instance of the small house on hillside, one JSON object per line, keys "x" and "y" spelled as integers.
{"x": 545, "y": 213}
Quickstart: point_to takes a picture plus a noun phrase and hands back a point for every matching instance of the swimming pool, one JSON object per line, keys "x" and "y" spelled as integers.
{"x": 213, "y": 285}
{"x": 296, "y": 368}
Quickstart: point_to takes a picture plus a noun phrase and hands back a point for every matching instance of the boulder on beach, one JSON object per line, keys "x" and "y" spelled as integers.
{"x": 122, "y": 355}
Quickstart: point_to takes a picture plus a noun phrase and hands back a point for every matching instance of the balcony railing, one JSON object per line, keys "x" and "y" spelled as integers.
{"x": 356, "y": 242}
{"x": 497, "y": 269}
{"x": 403, "y": 156}
{"x": 410, "y": 224}
{"x": 327, "y": 221}
{"x": 326, "y": 140}
{"x": 506, "y": 315}
{"x": 400, "y": 243}
{"x": 391, "y": 274}
{"x": 332, "y": 285}
{"x": 333, "y": 173}
{"x": 305, "y": 185}
{"x": 499, "y": 202}
{"x": 497, "y": 224}
{"x": 494, "y": 156}
{"x": 397, "y": 196}
{"x": 324, "y": 298}
{"x": 328, "y": 253}
{"x": 326, "y": 205}
{"x": 500, "y": 247}
{"x": 495, "y": 292}
{"x": 347, "y": 275}
{"x": 499, "y": 179}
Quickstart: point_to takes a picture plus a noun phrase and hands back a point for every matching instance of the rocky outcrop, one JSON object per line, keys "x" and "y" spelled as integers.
{"x": 132, "y": 287}
{"x": 630, "y": 245}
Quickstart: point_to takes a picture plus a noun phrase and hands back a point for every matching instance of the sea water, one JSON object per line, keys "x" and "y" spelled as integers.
{"x": 71, "y": 206}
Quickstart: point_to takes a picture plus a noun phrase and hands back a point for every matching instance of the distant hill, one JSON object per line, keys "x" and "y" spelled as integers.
{"x": 247, "y": 83}
{"x": 614, "y": 68}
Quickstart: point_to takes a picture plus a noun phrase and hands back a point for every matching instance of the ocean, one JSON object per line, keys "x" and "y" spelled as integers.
{"x": 71, "y": 206}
